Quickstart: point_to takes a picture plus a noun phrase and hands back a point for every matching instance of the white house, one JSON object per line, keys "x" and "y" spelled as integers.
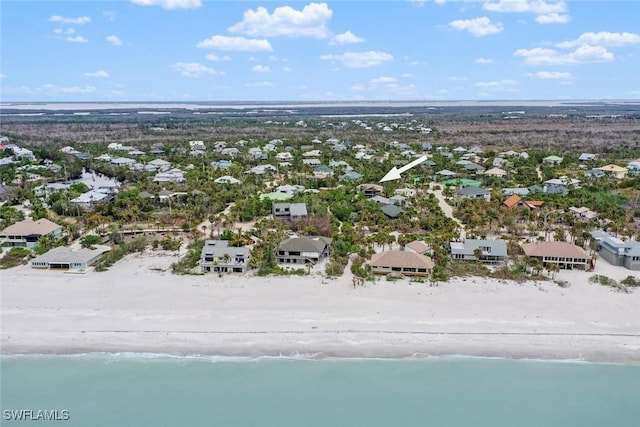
{"x": 227, "y": 179}
{"x": 172, "y": 175}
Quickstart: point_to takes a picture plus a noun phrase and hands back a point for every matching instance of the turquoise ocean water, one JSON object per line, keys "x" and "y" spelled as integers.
{"x": 138, "y": 390}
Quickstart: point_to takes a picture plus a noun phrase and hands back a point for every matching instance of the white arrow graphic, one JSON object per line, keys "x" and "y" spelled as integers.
{"x": 394, "y": 173}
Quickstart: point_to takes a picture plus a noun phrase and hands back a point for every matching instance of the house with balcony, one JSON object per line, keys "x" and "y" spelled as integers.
{"x": 616, "y": 251}
{"x": 289, "y": 211}
{"x": 25, "y": 234}
{"x": 566, "y": 256}
{"x": 401, "y": 262}
{"x": 304, "y": 250}
{"x": 485, "y": 251}
{"x": 218, "y": 257}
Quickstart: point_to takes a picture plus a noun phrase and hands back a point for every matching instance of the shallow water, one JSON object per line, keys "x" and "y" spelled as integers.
{"x": 153, "y": 390}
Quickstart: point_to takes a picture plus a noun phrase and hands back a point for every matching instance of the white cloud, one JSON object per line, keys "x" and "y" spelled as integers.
{"x": 458, "y": 79}
{"x": 99, "y": 74}
{"x": 359, "y": 59}
{"x": 346, "y": 38}
{"x": 110, "y": 14}
{"x": 76, "y": 39}
{"x": 192, "y": 69}
{"x": 259, "y": 84}
{"x": 383, "y": 80}
{"x": 216, "y": 58}
{"x": 311, "y": 21}
{"x": 65, "y": 31}
{"x": 582, "y": 55}
{"x": 540, "y": 7}
{"x": 286, "y": 69}
{"x": 553, "y": 18}
{"x": 358, "y": 87}
{"x": 551, "y": 75}
{"x": 478, "y": 27}
{"x": 170, "y": 4}
{"x": 261, "y": 69}
{"x": 506, "y": 85}
{"x": 70, "y": 90}
{"x": 406, "y": 75}
{"x": 235, "y": 43}
{"x": 483, "y": 61}
{"x": 114, "y": 40}
{"x": 605, "y": 39}
{"x": 548, "y": 12}
{"x": 2, "y": 76}
{"x": 80, "y": 20}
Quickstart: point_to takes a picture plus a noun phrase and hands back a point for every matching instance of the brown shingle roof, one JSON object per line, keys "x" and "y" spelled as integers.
{"x": 555, "y": 249}
{"x": 401, "y": 259}
{"x": 28, "y": 227}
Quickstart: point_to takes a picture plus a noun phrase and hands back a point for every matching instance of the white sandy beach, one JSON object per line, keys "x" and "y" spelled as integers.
{"x": 134, "y": 307}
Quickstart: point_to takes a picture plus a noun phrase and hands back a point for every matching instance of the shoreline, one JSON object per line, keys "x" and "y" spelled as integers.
{"x": 217, "y": 358}
{"x": 605, "y": 349}
{"x": 139, "y": 307}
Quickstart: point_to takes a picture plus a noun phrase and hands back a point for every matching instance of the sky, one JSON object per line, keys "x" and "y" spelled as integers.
{"x": 199, "y": 50}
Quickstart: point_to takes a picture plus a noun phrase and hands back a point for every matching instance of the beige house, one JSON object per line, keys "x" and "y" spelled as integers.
{"x": 614, "y": 171}
{"x": 565, "y": 255}
{"x": 407, "y": 263}
{"x": 496, "y": 172}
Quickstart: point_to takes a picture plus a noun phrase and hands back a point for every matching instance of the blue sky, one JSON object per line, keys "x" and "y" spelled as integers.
{"x": 198, "y": 50}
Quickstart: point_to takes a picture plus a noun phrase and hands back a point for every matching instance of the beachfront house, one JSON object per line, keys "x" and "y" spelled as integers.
{"x": 218, "y": 257}
{"x": 616, "y": 251}
{"x": 64, "y": 258}
{"x": 401, "y": 262}
{"x": 289, "y": 211}
{"x": 304, "y": 250}
{"x": 25, "y": 234}
{"x": 566, "y": 256}
{"x": 485, "y": 251}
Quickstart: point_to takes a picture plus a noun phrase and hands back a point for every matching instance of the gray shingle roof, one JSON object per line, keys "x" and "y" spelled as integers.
{"x": 305, "y": 244}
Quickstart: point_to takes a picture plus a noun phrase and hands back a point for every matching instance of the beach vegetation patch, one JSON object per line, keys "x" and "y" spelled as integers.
{"x": 607, "y": 281}
{"x": 15, "y": 257}
{"x": 631, "y": 281}
{"x": 190, "y": 261}
{"x": 120, "y": 251}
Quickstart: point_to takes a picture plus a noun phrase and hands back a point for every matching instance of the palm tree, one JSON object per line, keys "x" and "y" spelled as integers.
{"x": 477, "y": 252}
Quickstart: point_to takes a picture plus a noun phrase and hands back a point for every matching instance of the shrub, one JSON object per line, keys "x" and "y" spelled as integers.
{"x": 631, "y": 281}
{"x": 90, "y": 240}
{"x": 15, "y": 256}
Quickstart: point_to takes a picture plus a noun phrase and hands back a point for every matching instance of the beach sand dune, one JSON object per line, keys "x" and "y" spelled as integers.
{"x": 139, "y": 306}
